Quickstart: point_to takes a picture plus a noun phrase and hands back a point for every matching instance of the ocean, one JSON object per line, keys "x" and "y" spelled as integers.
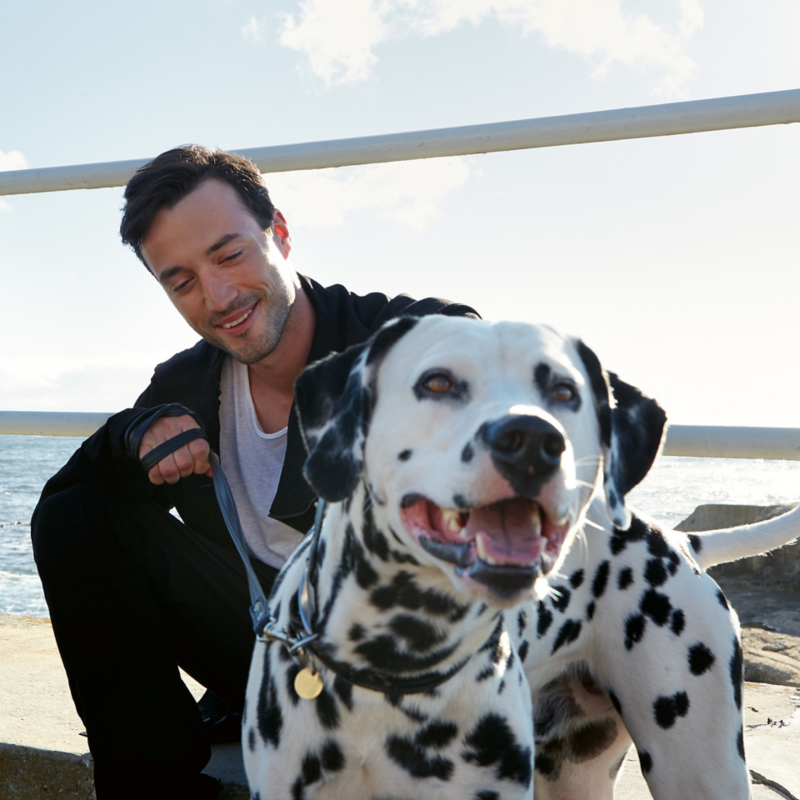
{"x": 672, "y": 490}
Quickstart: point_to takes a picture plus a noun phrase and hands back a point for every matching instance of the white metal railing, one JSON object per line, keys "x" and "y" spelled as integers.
{"x": 745, "y": 111}
{"x": 669, "y": 119}
{"x": 709, "y": 441}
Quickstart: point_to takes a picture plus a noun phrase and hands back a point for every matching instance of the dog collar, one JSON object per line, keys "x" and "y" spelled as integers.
{"x": 305, "y": 647}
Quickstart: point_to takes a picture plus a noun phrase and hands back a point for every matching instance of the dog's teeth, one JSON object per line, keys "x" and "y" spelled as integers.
{"x": 536, "y": 518}
{"x": 482, "y": 554}
{"x": 451, "y": 519}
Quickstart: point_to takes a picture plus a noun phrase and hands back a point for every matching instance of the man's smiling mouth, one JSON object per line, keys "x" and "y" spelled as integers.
{"x": 239, "y": 321}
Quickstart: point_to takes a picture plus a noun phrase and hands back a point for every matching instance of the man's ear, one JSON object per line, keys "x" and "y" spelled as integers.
{"x": 334, "y": 399}
{"x": 632, "y": 430}
{"x": 282, "y": 237}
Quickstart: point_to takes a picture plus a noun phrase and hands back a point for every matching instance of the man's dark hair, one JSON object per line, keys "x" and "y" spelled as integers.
{"x": 168, "y": 178}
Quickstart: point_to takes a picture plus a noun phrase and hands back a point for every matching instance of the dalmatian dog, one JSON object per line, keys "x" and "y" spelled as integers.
{"x": 488, "y": 620}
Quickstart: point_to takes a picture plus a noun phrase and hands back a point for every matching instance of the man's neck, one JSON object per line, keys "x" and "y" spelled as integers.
{"x": 272, "y": 379}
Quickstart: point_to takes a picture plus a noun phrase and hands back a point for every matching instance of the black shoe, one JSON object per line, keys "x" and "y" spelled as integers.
{"x": 221, "y": 723}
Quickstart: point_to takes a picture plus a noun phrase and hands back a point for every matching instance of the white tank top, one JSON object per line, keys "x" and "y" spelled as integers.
{"x": 253, "y": 461}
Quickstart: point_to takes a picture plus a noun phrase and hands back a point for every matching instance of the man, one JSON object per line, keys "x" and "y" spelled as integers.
{"x": 133, "y": 591}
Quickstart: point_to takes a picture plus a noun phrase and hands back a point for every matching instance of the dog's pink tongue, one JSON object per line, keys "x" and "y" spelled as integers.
{"x": 508, "y": 532}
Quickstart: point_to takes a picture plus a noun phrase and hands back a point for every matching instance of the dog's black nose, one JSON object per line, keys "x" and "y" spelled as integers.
{"x": 524, "y": 446}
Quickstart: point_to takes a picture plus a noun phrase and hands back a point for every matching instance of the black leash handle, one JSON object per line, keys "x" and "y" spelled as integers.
{"x": 133, "y": 441}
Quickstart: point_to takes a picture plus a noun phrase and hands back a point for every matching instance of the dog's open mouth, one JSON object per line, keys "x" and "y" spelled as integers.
{"x": 504, "y": 544}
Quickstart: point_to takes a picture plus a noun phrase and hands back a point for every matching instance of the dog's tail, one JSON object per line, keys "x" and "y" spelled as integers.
{"x": 731, "y": 544}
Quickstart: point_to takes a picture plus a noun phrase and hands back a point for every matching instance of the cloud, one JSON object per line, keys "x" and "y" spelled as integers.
{"x": 253, "y": 31}
{"x": 13, "y": 159}
{"x": 410, "y": 193}
{"x": 339, "y": 37}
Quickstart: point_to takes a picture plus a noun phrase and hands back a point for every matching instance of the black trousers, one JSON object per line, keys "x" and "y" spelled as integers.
{"x": 133, "y": 594}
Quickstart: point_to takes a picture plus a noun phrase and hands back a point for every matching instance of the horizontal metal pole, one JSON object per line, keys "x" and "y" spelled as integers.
{"x": 705, "y": 441}
{"x": 744, "y": 111}
{"x": 714, "y": 441}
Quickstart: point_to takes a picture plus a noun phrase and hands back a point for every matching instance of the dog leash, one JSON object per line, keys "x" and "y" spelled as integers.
{"x": 302, "y": 646}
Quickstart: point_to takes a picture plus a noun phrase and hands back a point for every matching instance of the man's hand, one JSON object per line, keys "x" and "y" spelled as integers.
{"x": 191, "y": 459}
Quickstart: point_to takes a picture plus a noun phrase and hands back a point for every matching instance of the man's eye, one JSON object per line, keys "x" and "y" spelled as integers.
{"x": 562, "y": 393}
{"x": 232, "y": 256}
{"x": 438, "y": 383}
{"x": 176, "y": 289}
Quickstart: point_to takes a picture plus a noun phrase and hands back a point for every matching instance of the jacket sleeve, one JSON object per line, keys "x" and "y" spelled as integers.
{"x": 103, "y": 460}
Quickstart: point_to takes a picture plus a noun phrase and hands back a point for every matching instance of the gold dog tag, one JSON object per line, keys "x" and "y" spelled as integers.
{"x": 308, "y": 684}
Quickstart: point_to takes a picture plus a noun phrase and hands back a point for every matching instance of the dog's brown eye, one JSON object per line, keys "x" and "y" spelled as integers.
{"x": 562, "y": 393}
{"x": 440, "y": 384}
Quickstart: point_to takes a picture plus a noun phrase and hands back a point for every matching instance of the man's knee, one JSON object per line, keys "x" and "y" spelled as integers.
{"x": 60, "y": 524}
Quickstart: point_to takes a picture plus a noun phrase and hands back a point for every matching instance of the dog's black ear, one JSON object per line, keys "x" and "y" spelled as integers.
{"x": 631, "y": 431}
{"x": 334, "y": 400}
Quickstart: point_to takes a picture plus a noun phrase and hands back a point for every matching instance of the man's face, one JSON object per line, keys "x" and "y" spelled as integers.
{"x": 226, "y": 276}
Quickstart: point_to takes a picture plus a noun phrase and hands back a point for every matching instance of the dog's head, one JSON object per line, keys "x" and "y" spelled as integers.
{"x": 481, "y": 444}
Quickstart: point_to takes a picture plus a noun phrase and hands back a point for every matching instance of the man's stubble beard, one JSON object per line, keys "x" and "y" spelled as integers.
{"x": 251, "y": 352}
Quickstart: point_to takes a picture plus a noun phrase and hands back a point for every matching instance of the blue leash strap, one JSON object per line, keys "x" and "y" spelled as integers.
{"x": 133, "y": 440}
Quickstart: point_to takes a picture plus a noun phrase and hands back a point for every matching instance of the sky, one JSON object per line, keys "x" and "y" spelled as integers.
{"x": 675, "y": 259}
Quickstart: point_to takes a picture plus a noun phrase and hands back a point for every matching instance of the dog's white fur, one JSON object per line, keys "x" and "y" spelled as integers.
{"x": 607, "y": 630}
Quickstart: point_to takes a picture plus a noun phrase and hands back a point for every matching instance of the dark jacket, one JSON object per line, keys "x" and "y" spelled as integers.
{"x": 193, "y": 378}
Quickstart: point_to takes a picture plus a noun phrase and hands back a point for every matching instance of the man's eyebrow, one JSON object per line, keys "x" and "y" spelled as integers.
{"x": 221, "y": 242}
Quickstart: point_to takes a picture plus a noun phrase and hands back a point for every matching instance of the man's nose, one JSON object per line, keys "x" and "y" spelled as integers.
{"x": 219, "y": 293}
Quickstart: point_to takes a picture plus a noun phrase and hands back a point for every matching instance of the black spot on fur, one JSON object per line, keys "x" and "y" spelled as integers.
{"x": 568, "y": 633}
{"x": 696, "y": 542}
{"x": 418, "y": 634}
{"x": 492, "y": 742}
{"x": 545, "y": 620}
{"x": 298, "y": 789}
{"x": 740, "y": 743}
{"x": 601, "y": 579}
{"x": 541, "y": 375}
{"x": 268, "y": 710}
{"x": 599, "y": 387}
{"x": 667, "y": 709}
{"x": 327, "y": 710}
{"x": 700, "y": 659}
{"x": 636, "y": 533}
{"x": 386, "y": 338}
{"x": 404, "y": 455}
{"x": 413, "y": 758}
{"x": 344, "y": 691}
{"x": 406, "y": 593}
{"x": 523, "y": 651}
{"x": 674, "y": 562}
{"x": 251, "y": 740}
{"x": 494, "y": 644}
{"x": 560, "y": 597}
{"x": 654, "y": 572}
{"x": 576, "y": 579}
{"x": 487, "y": 794}
{"x": 656, "y": 544}
{"x": 678, "y": 622}
{"x": 656, "y": 606}
{"x": 625, "y": 578}
{"x": 646, "y": 760}
{"x": 374, "y": 539}
{"x": 615, "y": 702}
{"x": 437, "y": 734}
{"x": 468, "y": 453}
{"x": 356, "y": 633}
{"x": 634, "y": 630}
{"x": 723, "y": 601}
{"x": 459, "y": 501}
{"x": 332, "y": 757}
{"x": 311, "y": 769}
{"x": 522, "y": 622}
{"x": 736, "y": 672}
{"x": 485, "y": 674}
{"x": 590, "y": 611}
